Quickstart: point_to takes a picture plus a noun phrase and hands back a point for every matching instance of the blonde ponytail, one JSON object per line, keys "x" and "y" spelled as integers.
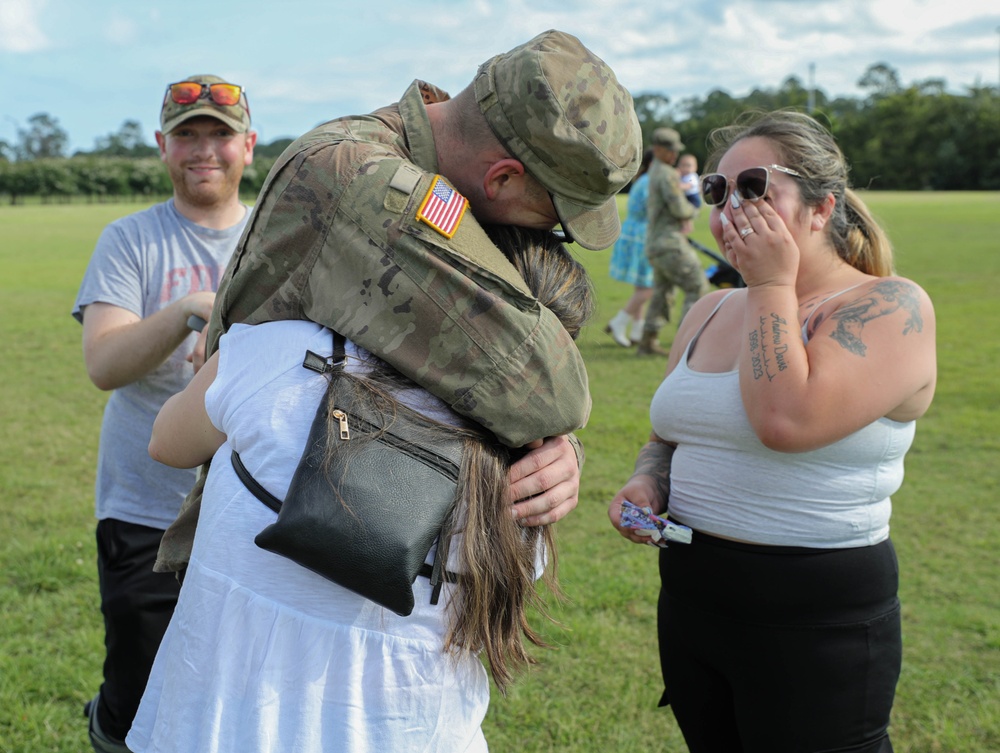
{"x": 860, "y": 240}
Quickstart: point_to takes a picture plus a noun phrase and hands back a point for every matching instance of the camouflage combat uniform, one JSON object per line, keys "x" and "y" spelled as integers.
{"x": 673, "y": 260}
{"x": 334, "y": 238}
{"x": 340, "y": 236}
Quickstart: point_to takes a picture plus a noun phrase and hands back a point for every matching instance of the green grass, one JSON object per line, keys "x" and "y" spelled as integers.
{"x": 598, "y": 690}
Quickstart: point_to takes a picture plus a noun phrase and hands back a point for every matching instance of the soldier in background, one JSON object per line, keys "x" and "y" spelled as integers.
{"x": 674, "y": 262}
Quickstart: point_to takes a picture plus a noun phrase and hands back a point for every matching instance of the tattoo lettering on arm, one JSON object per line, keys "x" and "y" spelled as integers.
{"x": 884, "y": 298}
{"x": 654, "y": 461}
{"x": 769, "y": 346}
{"x": 756, "y": 354}
{"x": 779, "y": 331}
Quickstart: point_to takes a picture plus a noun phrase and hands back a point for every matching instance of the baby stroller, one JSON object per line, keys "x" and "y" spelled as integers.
{"x": 722, "y": 274}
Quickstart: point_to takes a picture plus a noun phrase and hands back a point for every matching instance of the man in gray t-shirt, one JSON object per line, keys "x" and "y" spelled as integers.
{"x": 150, "y": 273}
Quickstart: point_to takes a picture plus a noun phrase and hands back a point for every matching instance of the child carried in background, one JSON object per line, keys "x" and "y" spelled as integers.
{"x": 687, "y": 166}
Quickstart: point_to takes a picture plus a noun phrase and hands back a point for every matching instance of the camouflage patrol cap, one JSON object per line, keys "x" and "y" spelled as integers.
{"x": 235, "y": 116}
{"x": 559, "y": 109}
{"x": 669, "y": 138}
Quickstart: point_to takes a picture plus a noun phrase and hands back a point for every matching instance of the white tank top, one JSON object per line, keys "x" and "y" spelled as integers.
{"x": 723, "y": 481}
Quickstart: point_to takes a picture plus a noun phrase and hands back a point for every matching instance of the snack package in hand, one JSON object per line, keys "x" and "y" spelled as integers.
{"x": 660, "y": 531}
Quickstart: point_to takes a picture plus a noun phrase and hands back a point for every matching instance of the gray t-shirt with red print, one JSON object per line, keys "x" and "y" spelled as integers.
{"x": 143, "y": 263}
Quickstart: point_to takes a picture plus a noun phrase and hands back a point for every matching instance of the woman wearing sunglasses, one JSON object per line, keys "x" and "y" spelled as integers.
{"x": 779, "y": 435}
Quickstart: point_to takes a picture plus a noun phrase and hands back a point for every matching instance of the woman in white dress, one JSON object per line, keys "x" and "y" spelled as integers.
{"x": 265, "y": 655}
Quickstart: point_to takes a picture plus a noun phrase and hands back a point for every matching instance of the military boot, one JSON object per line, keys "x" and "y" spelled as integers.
{"x": 649, "y": 345}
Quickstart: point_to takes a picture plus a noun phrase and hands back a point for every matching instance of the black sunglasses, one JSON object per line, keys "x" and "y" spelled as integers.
{"x": 751, "y": 184}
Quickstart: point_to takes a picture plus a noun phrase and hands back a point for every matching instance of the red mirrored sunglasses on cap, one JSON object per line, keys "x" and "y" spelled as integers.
{"x": 751, "y": 183}
{"x": 189, "y": 92}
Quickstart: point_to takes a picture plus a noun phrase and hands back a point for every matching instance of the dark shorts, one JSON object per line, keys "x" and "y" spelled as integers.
{"x": 779, "y": 649}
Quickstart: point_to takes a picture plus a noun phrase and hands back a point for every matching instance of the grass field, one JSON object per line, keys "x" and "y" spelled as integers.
{"x": 598, "y": 690}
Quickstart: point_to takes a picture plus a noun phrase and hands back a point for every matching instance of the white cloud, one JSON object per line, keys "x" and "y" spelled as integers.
{"x": 19, "y": 28}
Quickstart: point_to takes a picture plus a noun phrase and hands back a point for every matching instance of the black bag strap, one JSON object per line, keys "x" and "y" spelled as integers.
{"x": 321, "y": 365}
{"x": 252, "y": 486}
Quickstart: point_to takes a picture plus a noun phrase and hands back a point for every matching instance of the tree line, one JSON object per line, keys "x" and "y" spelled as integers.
{"x": 120, "y": 167}
{"x": 916, "y": 137}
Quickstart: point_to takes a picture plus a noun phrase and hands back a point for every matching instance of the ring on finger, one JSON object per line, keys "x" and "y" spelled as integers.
{"x": 746, "y": 231}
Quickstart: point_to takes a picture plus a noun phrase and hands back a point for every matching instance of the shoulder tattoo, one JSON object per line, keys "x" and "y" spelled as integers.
{"x": 884, "y": 298}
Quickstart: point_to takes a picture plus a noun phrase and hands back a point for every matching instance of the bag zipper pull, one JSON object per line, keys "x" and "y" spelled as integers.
{"x": 345, "y": 432}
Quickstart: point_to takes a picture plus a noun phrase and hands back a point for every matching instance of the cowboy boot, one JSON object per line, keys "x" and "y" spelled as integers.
{"x": 637, "y": 327}
{"x": 618, "y": 328}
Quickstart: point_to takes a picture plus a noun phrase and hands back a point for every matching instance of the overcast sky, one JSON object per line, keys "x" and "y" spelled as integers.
{"x": 93, "y": 64}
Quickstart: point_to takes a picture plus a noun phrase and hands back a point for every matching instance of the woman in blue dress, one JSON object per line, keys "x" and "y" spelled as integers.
{"x": 629, "y": 263}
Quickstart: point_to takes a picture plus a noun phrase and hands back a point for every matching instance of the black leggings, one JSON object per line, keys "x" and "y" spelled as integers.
{"x": 779, "y": 649}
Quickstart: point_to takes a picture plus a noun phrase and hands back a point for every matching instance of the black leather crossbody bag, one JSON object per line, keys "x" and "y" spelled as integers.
{"x": 368, "y": 520}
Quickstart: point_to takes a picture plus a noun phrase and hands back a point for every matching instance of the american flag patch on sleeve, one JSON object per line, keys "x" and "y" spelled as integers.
{"x": 442, "y": 207}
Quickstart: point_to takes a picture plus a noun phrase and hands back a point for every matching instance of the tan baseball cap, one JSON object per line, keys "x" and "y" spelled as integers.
{"x": 235, "y": 116}
{"x": 559, "y": 109}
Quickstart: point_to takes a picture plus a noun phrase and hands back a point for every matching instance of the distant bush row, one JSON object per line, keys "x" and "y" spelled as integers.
{"x": 102, "y": 178}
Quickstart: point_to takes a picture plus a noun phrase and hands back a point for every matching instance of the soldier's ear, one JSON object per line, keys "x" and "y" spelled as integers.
{"x": 502, "y": 177}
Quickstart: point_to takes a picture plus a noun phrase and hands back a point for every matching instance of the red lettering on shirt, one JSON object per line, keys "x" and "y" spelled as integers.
{"x": 182, "y": 281}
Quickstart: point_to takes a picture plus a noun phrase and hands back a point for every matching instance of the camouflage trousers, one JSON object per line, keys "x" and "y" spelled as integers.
{"x": 675, "y": 265}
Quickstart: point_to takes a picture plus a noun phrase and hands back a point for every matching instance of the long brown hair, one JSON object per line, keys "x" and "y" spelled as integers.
{"x": 808, "y": 148}
{"x": 497, "y": 589}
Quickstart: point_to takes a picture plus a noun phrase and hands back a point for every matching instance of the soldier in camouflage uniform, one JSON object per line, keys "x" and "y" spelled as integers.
{"x": 674, "y": 262}
{"x": 362, "y": 226}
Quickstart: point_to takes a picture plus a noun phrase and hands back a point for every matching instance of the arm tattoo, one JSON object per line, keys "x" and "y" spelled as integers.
{"x": 885, "y": 298}
{"x": 769, "y": 346}
{"x": 654, "y": 461}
